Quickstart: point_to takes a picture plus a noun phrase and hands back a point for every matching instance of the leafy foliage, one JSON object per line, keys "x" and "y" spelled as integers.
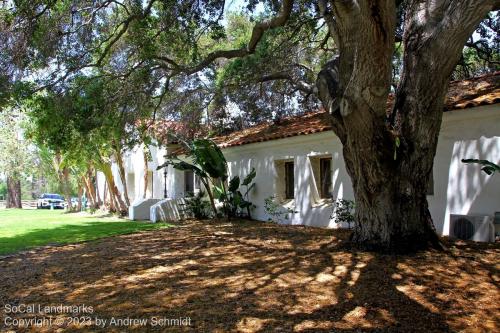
{"x": 197, "y": 206}
{"x": 16, "y": 156}
{"x": 343, "y": 211}
{"x": 488, "y": 167}
{"x": 235, "y": 202}
{"x": 210, "y": 165}
{"x": 276, "y": 212}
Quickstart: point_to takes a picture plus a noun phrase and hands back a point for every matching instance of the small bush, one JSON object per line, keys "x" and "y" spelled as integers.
{"x": 197, "y": 206}
{"x": 275, "y": 211}
{"x": 343, "y": 211}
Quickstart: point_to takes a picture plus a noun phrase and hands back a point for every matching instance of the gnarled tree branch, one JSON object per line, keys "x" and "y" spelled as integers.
{"x": 258, "y": 31}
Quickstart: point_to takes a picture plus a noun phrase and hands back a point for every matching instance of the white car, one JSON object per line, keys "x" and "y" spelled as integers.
{"x": 48, "y": 200}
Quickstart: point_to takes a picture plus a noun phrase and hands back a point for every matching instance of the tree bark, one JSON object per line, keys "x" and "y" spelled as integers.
{"x": 91, "y": 191}
{"x": 146, "y": 171}
{"x": 121, "y": 169}
{"x": 80, "y": 194}
{"x": 13, "y": 193}
{"x": 67, "y": 187}
{"x": 93, "y": 181}
{"x": 115, "y": 196}
{"x": 88, "y": 194}
{"x": 389, "y": 153}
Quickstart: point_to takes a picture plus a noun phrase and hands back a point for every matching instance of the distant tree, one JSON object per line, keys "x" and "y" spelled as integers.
{"x": 16, "y": 158}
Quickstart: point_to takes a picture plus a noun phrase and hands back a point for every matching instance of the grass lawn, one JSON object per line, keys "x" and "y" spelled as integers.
{"x": 245, "y": 276}
{"x": 23, "y": 229}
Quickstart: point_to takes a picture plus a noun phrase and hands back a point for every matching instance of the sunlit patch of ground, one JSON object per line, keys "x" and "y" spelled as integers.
{"x": 258, "y": 277}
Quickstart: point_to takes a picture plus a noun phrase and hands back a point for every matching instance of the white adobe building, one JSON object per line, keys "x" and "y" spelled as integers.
{"x": 300, "y": 161}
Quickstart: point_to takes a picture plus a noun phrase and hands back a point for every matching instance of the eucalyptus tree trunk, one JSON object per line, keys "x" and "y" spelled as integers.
{"x": 90, "y": 198}
{"x": 389, "y": 153}
{"x": 91, "y": 190}
{"x": 67, "y": 187}
{"x": 80, "y": 194}
{"x": 145, "y": 154}
{"x": 13, "y": 193}
{"x": 121, "y": 170}
{"x": 115, "y": 197}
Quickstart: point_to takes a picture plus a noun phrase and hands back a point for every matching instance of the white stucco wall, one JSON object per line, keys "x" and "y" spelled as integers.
{"x": 458, "y": 188}
{"x": 263, "y": 157}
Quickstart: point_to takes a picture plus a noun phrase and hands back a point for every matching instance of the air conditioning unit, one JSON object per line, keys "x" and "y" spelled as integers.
{"x": 477, "y": 228}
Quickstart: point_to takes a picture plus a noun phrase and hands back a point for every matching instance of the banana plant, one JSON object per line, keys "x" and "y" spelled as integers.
{"x": 234, "y": 201}
{"x": 209, "y": 164}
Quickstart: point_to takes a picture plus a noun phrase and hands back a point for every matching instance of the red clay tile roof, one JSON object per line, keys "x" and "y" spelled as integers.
{"x": 477, "y": 91}
{"x": 481, "y": 90}
{"x": 313, "y": 122}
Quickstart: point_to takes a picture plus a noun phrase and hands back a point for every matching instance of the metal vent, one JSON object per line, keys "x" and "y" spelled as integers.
{"x": 463, "y": 229}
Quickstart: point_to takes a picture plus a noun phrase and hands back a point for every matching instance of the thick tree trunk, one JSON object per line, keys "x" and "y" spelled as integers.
{"x": 391, "y": 205}
{"x": 13, "y": 193}
{"x": 389, "y": 153}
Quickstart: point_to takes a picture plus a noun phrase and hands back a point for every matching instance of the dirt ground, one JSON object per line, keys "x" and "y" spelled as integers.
{"x": 249, "y": 277}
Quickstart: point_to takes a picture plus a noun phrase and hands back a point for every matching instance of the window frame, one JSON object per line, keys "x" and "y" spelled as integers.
{"x": 289, "y": 174}
{"x": 192, "y": 182}
{"x": 321, "y": 191}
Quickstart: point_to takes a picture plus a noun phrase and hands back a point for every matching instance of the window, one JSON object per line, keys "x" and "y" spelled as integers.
{"x": 322, "y": 177}
{"x": 188, "y": 182}
{"x": 197, "y": 183}
{"x": 325, "y": 175}
{"x": 289, "y": 181}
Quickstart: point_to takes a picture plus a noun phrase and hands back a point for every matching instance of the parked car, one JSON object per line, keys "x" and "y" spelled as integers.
{"x": 48, "y": 200}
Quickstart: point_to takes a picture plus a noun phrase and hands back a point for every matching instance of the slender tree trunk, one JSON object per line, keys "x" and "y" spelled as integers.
{"x": 105, "y": 193}
{"x": 93, "y": 181}
{"x": 67, "y": 187}
{"x": 88, "y": 195}
{"x": 121, "y": 170}
{"x": 113, "y": 190}
{"x": 146, "y": 172}
{"x": 91, "y": 191}
{"x": 110, "y": 199}
{"x": 80, "y": 194}
{"x": 13, "y": 193}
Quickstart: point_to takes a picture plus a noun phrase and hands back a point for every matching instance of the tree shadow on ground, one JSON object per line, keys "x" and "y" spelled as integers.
{"x": 256, "y": 277}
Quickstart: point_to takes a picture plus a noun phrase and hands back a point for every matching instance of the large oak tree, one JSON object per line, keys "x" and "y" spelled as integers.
{"x": 388, "y": 151}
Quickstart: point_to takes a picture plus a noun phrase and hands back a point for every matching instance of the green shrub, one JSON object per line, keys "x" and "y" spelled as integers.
{"x": 276, "y": 212}
{"x": 197, "y": 206}
{"x": 343, "y": 211}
